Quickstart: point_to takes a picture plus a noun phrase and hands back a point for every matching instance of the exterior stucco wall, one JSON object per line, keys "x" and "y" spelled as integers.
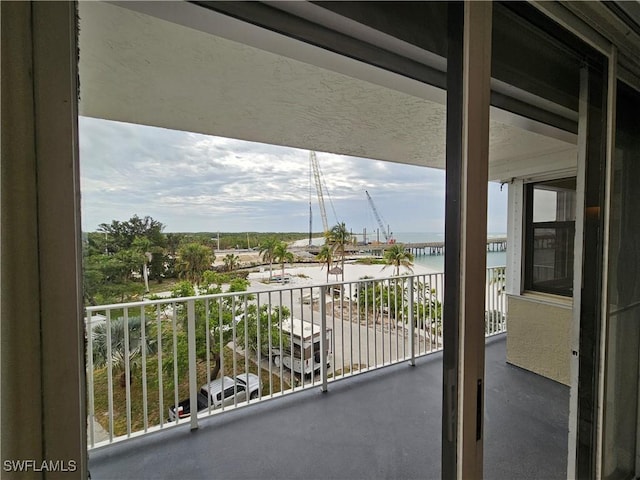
{"x": 240, "y": 78}
{"x": 539, "y": 336}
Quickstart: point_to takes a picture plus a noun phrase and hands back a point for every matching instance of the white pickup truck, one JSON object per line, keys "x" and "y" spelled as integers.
{"x": 243, "y": 387}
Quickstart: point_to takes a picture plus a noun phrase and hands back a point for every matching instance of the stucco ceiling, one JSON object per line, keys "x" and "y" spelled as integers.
{"x": 139, "y": 68}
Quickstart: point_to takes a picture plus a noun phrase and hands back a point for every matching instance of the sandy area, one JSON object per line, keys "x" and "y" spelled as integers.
{"x": 246, "y": 257}
{"x": 317, "y": 274}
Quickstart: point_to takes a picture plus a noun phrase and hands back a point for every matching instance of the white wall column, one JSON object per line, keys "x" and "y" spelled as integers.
{"x": 515, "y": 235}
{"x": 42, "y": 334}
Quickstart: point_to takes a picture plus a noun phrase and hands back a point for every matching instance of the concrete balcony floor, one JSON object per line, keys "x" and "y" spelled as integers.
{"x": 384, "y": 424}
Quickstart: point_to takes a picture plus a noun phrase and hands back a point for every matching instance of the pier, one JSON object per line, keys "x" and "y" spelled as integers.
{"x": 494, "y": 244}
{"x": 437, "y": 248}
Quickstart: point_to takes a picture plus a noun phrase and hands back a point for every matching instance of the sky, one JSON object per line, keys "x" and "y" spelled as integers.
{"x": 200, "y": 183}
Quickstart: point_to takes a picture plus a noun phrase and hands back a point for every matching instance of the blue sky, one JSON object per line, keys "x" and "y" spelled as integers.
{"x": 196, "y": 183}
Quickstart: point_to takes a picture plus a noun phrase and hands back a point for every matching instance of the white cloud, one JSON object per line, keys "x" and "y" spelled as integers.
{"x": 193, "y": 182}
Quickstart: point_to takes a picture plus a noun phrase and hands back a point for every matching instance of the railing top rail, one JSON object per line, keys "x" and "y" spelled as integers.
{"x": 209, "y": 296}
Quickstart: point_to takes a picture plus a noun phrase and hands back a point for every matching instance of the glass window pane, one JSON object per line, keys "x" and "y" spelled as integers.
{"x": 554, "y": 201}
{"x": 551, "y": 227}
{"x": 553, "y": 258}
{"x": 620, "y": 452}
{"x": 544, "y": 205}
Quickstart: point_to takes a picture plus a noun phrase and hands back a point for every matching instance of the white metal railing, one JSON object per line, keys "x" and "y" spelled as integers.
{"x": 496, "y": 301}
{"x": 145, "y": 358}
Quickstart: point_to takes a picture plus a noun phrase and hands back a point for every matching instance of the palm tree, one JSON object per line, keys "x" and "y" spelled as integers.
{"x": 266, "y": 251}
{"x": 325, "y": 255}
{"x": 195, "y": 259}
{"x": 231, "y": 262}
{"x": 397, "y": 256}
{"x": 142, "y": 245}
{"x": 100, "y": 337}
{"x": 281, "y": 254}
{"x": 338, "y": 237}
{"x": 118, "y": 365}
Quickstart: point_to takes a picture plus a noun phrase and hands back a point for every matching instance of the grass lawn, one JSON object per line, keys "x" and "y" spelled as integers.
{"x": 370, "y": 261}
{"x": 166, "y": 285}
{"x": 101, "y": 402}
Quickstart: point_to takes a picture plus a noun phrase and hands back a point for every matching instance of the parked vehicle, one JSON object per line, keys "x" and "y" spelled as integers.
{"x": 286, "y": 278}
{"x": 243, "y": 387}
{"x": 303, "y": 354}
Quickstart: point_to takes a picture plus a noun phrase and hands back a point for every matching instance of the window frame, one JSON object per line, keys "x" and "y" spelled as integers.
{"x": 530, "y": 227}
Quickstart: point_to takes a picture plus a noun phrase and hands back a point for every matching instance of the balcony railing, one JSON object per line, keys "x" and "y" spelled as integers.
{"x": 150, "y": 364}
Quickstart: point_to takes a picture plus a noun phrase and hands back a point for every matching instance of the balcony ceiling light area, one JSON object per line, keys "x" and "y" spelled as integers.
{"x": 139, "y": 68}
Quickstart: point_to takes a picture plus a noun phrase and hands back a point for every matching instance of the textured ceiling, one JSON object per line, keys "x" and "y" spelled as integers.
{"x": 140, "y": 69}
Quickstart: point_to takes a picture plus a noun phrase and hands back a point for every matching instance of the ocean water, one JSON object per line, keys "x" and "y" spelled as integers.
{"x": 417, "y": 237}
{"x": 436, "y": 262}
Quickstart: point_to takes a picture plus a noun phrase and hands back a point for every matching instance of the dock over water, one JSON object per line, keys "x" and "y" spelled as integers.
{"x": 494, "y": 244}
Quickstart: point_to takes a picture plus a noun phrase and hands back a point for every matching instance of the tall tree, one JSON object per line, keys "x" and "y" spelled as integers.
{"x": 226, "y": 323}
{"x": 123, "y": 264}
{"x": 338, "y": 237}
{"x": 158, "y": 264}
{"x": 282, "y": 255}
{"x": 142, "y": 246}
{"x": 195, "y": 259}
{"x": 231, "y": 262}
{"x": 325, "y": 255}
{"x": 262, "y": 328}
{"x": 107, "y": 278}
{"x": 397, "y": 256}
{"x": 267, "y": 248}
{"x": 173, "y": 242}
{"x": 120, "y": 235}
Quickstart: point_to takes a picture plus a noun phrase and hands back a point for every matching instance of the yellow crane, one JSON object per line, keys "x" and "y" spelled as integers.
{"x": 315, "y": 169}
{"x": 387, "y": 234}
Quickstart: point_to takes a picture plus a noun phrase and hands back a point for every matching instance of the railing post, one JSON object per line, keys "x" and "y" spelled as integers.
{"x": 193, "y": 377}
{"x": 127, "y": 369}
{"x": 503, "y": 293}
{"x": 90, "y": 393}
{"x": 109, "y": 376}
{"x": 412, "y": 346}
{"x": 323, "y": 336}
{"x": 488, "y": 307}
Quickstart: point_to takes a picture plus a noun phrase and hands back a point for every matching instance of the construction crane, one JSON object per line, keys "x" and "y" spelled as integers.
{"x": 387, "y": 235}
{"x": 313, "y": 165}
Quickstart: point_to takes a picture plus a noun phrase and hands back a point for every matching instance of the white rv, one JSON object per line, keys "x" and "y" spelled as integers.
{"x": 302, "y": 355}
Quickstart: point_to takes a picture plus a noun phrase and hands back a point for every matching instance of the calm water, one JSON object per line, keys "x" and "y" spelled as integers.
{"x": 436, "y": 262}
